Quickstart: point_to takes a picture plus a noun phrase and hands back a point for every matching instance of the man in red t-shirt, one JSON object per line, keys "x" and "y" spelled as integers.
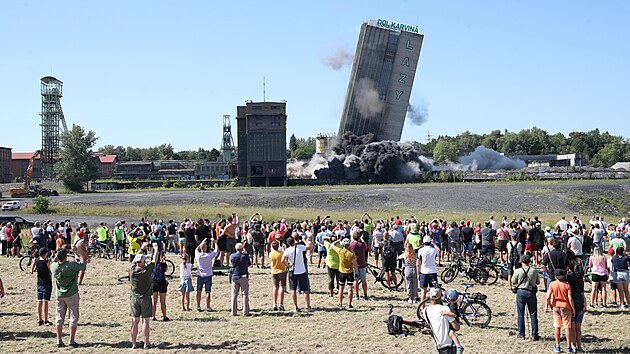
{"x": 359, "y": 247}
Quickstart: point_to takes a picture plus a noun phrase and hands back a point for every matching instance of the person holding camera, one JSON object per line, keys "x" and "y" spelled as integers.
{"x": 526, "y": 280}
{"x": 295, "y": 256}
{"x": 141, "y": 294}
{"x": 65, "y": 274}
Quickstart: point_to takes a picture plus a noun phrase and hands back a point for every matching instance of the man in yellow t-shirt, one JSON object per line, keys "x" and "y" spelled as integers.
{"x": 279, "y": 275}
{"x": 332, "y": 264}
{"x": 135, "y": 238}
{"x": 347, "y": 263}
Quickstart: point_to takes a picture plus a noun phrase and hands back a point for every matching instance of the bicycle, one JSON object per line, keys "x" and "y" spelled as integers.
{"x": 421, "y": 324}
{"x": 488, "y": 266}
{"x": 26, "y": 261}
{"x": 379, "y": 276}
{"x": 472, "y": 307}
{"x": 478, "y": 274}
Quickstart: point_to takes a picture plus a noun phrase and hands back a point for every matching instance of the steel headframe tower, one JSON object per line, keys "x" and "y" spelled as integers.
{"x": 52, "y": 114}
{"x": 227, "y": 144}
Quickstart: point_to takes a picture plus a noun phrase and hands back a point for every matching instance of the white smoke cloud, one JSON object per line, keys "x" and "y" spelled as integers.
{"x": 368, "y": 101}
{"x": 418, "y": 114}
{"x": 337, "y": 58}
{"x": 481, "y": 159}
{"x": 302, "y": 169}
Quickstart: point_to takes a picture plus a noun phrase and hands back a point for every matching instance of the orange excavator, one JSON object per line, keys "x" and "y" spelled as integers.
{"x": 29, "y": 191}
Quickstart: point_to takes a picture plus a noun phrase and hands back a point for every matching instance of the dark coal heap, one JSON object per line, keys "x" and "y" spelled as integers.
{"x": 362, "y": 158}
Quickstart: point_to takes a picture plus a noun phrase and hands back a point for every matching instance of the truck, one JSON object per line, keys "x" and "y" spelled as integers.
{"x": 29, "y": 191}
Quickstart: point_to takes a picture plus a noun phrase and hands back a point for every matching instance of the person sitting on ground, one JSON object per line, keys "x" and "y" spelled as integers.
{"x": 141, "y": 293}
{"x": 205, "y": 260}
{"x": 44, "y": 285}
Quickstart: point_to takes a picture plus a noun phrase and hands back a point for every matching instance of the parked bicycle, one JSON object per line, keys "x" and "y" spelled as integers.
{"x": 472, "y": 307}
{"x": 478, "y": 274}
{"x": 489, "y": 266}
{"x": 395, "y": 280}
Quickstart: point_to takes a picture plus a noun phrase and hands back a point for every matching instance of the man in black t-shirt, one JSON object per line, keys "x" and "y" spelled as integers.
{"x": 259, "y": 245}
{"x": 202, "y": 232}
{"x": 467, "y": 237}
{"x": 556, "y": 259}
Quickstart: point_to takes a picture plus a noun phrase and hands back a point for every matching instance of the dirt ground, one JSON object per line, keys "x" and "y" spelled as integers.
{"x": 104, "y": 323}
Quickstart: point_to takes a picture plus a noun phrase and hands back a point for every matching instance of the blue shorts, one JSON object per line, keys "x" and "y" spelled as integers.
{"x": 43, "y": 292}
{"x": 362, "y": 274}
{"x": 469, "y": 247}
{"x": 425, "y": 279}
{"x": 204, "y": 281}
{"x": 300, "y": 280}
{"x": 578, "y": 318}
{"x": 486, "y": 249}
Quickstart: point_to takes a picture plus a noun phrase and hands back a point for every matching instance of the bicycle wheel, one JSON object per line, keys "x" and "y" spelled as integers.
{"x": 476, "y": 313}
{"x": 395, "y": 281}
{"x": 479, "y": 275}
{"x": 423, "y": 304}
{"x": 25, "y": 263}
{"x": 170, "y": 267}
{"x": 448, "y": 275}
{"x": 493, "y": 274}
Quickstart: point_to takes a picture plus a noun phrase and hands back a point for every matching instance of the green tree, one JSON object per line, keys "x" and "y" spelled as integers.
{"x": 214, "y": 154}
{"x": 293, "y": 143}
{"x": 610, "y": 154}
{"x": 42, "y": 204}
{"x": 444, "y": 151}
{"x": 76, "y": 166}
{"x": 165, "y": 152}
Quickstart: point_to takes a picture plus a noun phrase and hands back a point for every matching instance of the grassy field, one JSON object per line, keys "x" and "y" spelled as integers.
{"x": 104, "y": 323}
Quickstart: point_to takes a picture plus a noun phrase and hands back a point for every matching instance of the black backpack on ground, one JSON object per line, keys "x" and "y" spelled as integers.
{"x": 394, "y": 325}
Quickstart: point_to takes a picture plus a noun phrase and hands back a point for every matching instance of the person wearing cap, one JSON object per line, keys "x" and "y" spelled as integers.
{"x": 294, "y": 258}
{"x": 347, "y": 264}
{"x": 135, "y": 238}
{"x": 525, "y": 284}
{"x": 141, "y": 305}
{"x": 65, "y": 274}
{"x": 427, "y": 267}
{"x": 560, "y": 299}
{"x": 441, "y": 321}
{"x": 44, "y": 285}
{"x": 240, "y": 278}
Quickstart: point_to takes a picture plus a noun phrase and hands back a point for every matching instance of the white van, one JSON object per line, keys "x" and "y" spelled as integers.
{"x": 12, "y": 205}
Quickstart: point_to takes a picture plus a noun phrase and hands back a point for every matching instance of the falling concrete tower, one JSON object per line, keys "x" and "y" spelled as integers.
{"x": 382, "y": 77}
{"x": 52, "y": 115}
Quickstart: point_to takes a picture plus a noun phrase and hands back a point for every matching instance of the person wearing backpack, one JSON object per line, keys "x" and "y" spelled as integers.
{"x": 575, "y": 243}
{"x": 514, "y": 250}
{"x": 389, "y": 259}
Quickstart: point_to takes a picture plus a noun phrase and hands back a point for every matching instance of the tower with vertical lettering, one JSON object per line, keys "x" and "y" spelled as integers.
{"x": 381, "y": 81}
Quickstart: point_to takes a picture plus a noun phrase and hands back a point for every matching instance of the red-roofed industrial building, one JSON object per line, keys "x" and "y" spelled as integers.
{"x": 106, "y": 164}
{"x": 19, "y": 164}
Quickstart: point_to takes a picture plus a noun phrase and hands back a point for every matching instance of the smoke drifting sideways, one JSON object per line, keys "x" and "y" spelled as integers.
{"x": 337, "y": 58}
{"x": 362, "y": 158}
{"x": 418, "y": 114}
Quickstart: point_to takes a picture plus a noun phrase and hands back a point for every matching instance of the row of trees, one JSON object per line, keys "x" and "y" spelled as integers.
{"x": 301, "y": 148}
{"x": 161, "y": 152}
{"x": 596, "y": 148}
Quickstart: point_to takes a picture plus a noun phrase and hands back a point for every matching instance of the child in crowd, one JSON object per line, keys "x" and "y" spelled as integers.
{"x": 452, "y": 296}
{"x": 44, "y": 285}
{"x": 185, "y": 282}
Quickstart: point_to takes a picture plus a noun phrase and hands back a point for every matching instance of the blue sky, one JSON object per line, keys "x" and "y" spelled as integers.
{"x": 143, "y": 73}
